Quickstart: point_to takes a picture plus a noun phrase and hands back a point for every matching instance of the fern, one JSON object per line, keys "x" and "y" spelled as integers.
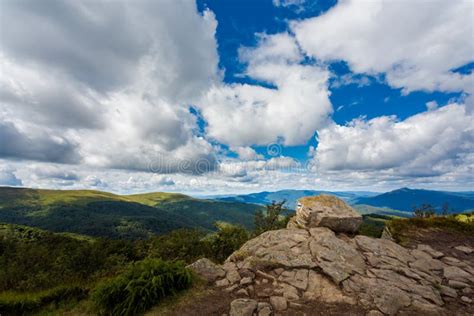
{"x": 140, "y": 287}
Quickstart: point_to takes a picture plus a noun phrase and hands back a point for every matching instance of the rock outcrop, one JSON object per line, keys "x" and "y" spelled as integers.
{"x": 325, "y": 211}
{"x": 283, "y": 270}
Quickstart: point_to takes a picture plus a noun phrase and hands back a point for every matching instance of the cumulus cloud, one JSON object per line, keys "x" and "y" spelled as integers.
{"x": 416, "y": 46}
{"x": 8, "y": 177}
{"x": 427, "y": 144}
{"x": 109, "y": 82}
{"x": 38, "y": 144}
{"x": 245, "y": 114}
{"x": 246, "y": 153}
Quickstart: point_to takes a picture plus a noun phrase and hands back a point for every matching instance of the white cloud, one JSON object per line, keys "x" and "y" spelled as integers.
{"x": 8, "y": 177}
{"x": 416, "y": 44}
{"x": 432, "y": 143}
{"x": 244, "y": 114}
{"x": 107, "y": 85}
{"x": 246, "y": 153}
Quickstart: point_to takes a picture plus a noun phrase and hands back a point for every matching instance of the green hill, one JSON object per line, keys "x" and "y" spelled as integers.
{"x": 96, "y": 213}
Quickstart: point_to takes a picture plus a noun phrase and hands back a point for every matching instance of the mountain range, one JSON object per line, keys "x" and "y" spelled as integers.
{"x": 396, "y": 202}
{"x": 97, "y": 213}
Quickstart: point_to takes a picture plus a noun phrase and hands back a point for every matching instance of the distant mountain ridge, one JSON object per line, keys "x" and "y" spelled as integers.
{"x": 291, "y": 196}
{"x": 398, "y": 202}
{"x": 405, "y": 199}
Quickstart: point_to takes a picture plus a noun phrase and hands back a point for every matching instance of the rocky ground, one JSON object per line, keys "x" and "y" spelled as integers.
{"x": 316, "y": 271}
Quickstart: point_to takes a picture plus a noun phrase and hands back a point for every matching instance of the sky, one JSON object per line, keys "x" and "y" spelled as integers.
{"x": 236, "y": 96}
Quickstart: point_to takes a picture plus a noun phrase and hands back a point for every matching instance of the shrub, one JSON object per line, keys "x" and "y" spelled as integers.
{"x": 181, "y": 244}
{"x": 143, "y": 285}
{"x": 226, "y": 240}
{"x": 15, "y": 303}
{"x": 399, "y": 226}
{"x": 272, "y": 219}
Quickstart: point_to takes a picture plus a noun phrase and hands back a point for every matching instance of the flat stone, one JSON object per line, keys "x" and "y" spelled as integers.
{"x": 434, "y": 253}
{"x": 245, "y": 281}
{"x": 222, "y": 283}
{"x": 326, "y": 211}
{"x": 207, "y": 269}
{"x": 279, "y": 303}
{"x": 233, "y": 276}
{"x": 465, "y": 249}
{"x": 466, "y": 290}
{"x": 289, "y": 292}
{"x": 243, "y": 307}
{"x": 384, "y": 248}
{"x": 457, "y": 284}
{"x": 266, "y": 311}
{"x": 337, "y": 258}
{"x": 455, "y": 273}
{"x": 448, "y": 291}
{"x": 466, "y": 299}
{"x": 374, "y": 313}
{"x": 320, "y": 288}
{"x": 242, "y": 292}
{"x": 426, "y": 265}
{"x": 231, "y": 288}
{"x": 298, "y": 278}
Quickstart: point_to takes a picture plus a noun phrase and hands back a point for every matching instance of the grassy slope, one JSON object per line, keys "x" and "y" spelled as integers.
{"x": 96, "y": 213}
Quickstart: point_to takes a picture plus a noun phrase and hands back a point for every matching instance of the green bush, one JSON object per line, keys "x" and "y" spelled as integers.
{"x": 181, "y": 244}
{"x": 226, "y": 240}
{"x": 15, "y": 303}
{"x": 271, "y": 219}
{"x": 399, "y": 227}
{"x": 143, "y": 285}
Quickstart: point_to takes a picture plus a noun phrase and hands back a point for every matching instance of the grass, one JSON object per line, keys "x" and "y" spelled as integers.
{"x": 460, "y": 223}
{"x": 18, "y": 303}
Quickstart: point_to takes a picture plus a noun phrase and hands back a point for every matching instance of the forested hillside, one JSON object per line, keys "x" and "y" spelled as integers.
{"x": 96, "y": 213}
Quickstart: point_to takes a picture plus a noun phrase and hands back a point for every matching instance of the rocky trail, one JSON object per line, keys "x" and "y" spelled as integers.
{"x": 315, "y": 267}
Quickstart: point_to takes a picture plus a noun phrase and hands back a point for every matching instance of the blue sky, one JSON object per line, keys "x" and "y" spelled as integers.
{"x": 237, "y": 96}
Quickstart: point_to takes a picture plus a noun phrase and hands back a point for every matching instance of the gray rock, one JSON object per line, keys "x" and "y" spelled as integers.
{"x": 233, "y": 276}
{"x": 426, "y": 265}
{"x": 434, "y": 253}
{"x": 279, "y": 303}
{"x": 242, "y": 292}
{"x": 466, "y": 299}
{"x": 243, "y": 307}
{"x": 466, "y": 290}
{"x": 374, "y": 313}
{"x": 245, "y": 281}
{"x": 465, "y": 249}
{"x": 457, "y": 284}
{"x": 266, "y": 311}
{"x": 455, "y": 273}
{"x": 207, "y": 269}
{"x": 289, "y": 292}
{"x": 337, "y": 258}
{"x": 222, "y": 283}
{"x": 326, "y": 211}
{"x": 448, "y": 291}
{"x": 297, "y": 278}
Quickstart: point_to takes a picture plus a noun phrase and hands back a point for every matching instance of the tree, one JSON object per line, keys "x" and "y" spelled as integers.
{"x": 226, "y": 240}
{"x": 445, "y": 209}
{"x": 424, "y": 211}
{"x": 272, "y": 218}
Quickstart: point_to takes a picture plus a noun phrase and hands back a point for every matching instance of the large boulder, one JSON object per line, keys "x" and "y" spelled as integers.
{"x": 326, "y": 211}
{"x": 207, "y": 269}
